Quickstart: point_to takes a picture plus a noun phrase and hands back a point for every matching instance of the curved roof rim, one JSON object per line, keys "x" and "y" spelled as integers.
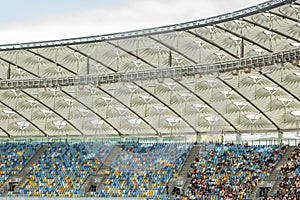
{"x": 262, "y": 7}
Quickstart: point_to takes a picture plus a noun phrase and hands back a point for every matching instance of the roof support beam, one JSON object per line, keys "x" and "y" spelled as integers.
{"x": 156, "y": 73}
{"x": 163, "y": 103}
{"x": 37, "y": 99}
{"x": 52, "y": 61}
{"x": 279, "y": 85}
{"x": 148, "y": 63}
{"x": 265, "y": 6}
{"x": 275, "y": 31}
{"x": 284, "y": 16}
{"x": 5, "y": 131}
{"x": 72, "y": 125}
{"x": 28, "y": 71}
{"x": 74, "y": 97}
{"x": 54, "y": 111}
{"x": 182, "y": 85}
{"x": 139, "y": 116}
{"x": 210, "y": 106}
{"x": 146, "y": 122}
{"x": 250, "y": 102}
{"x": 246, "y": 39}
{"x": 116, "y": 46}
{"x": 93, "y": 59}
{"x": 37, "y": 54}
{"x": 87, "y": 107}
{"x": 24, "y": 117}
{"x": 173, "y": 49}
{"x": 212, "y": 43}
{"x": 267, "y": 49}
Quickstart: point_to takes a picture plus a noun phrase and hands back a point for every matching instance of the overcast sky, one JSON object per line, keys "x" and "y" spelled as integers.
{"x": 37, "y": 20}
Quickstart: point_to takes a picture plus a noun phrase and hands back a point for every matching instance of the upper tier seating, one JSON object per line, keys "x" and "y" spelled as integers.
{"x": 143, "y": 170}
{"x": 13, "y": 157}
{"x": 230, "y": 171}
{"x": 62, "y": 169}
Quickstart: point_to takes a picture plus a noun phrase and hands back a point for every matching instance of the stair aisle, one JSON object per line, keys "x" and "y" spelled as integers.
{"x": 20, "y": 177}
{"x": 274, "y": 175}
{"x": 272, "y": 179}
{"x": 184, "y": 170}
{"x": 102, "y": 172}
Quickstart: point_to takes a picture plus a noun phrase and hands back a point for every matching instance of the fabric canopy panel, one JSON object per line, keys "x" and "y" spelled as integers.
{"x": 250, "y": 100}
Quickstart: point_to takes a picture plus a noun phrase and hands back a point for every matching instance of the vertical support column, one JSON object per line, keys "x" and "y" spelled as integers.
{"x": 160, "y": 139}
{"x": 170, "y": 58}
{"x": 242, "y": 49}
{"x": 280, "y": 136}
{"x": 123, "y": 138}
{"x": 222, "y": 138}
{"x": 88, "y": 66}
{"x": 199, "y": 137}
{"x": 238, "y": 137}
{"x": 8, "y": 71}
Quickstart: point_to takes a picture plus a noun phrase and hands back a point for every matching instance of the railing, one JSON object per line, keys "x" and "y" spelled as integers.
{"x": 159, "y": 197}
{"x": 264, "y": 141}
{"x": 286, "y": 141}
{"x": 158, "y": 73}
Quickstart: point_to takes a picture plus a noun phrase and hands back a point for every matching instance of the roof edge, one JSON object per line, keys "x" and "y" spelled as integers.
{"x": 262, "y": 7}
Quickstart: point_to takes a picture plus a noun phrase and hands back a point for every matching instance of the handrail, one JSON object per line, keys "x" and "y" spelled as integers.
{"x": 182, "y": 140}
{"x": 158, "y": 73}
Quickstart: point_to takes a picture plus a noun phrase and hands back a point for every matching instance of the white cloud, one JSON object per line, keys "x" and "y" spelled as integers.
{"x": 131, "y": 15}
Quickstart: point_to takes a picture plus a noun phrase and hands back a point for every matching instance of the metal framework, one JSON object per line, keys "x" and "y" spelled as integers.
{"x": 158, "y": 73}
{"x": 151, "y": 31}
{"x": 200, "y": 77}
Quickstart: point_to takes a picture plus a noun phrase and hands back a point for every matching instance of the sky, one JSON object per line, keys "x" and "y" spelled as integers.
{"x": 40, "y": 20}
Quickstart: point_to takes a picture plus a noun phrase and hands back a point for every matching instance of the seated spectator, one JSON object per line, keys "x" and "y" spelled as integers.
{"x": 289, "y": 187}
{"x": 230, "y": 171}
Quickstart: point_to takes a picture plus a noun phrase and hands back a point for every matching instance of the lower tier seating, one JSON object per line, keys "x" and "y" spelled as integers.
{"x": 143, "y": 170}
{"x": 230, "y": 171}
{"x": 218, "y": 171}
{"x": 289, "y": 186}
{"x": 62, "y": 170}
{"x": 13, "y": 157}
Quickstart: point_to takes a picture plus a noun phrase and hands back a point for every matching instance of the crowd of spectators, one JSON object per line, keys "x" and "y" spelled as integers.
{"x": 230, "y": 171}
{"x": 219, "y": 171}
{"x": 289, "y": 187}
{"x": 143, "y": 170}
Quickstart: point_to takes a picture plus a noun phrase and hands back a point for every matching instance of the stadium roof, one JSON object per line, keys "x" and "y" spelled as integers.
{"x": 237, "y": 72}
